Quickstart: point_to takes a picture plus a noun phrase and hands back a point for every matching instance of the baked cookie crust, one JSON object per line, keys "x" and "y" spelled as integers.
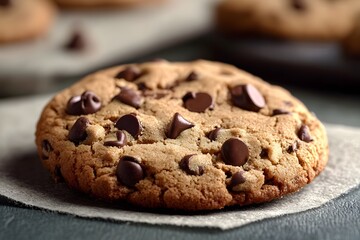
{"x": 189, "y": 135}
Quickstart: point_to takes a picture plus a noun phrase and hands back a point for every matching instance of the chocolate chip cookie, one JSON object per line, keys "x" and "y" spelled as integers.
{"x": 22, "y": 20}
{"x": 103, "y": 3}
{"x": 288, "y": 19}
{"x": 351, "y": 43}
{"x": 193, "y": 136}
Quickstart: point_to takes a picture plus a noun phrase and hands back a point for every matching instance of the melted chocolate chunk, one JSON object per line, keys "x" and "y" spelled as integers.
{"x": 234, "y": 152}
{"x": 190, "y": 168}
{"x": 130, "y": 74}
{"x": 129, "y": 171}
{"x": 177, "y": 126}
{"x": 236, "y": 179}
{"x": 247, "y": 97}
{"x": 213, "y": 134}
{"x": 198, "y": 102}
{"x": 46, "y": 148}
{"x": 120, "y": 142}
{"x": 130, "y": 97}
{"x": 87, "y": 103}
{"x": 129, "y": 123}
{"x": 78, "y": 133}
{"x": 304, "y": 134}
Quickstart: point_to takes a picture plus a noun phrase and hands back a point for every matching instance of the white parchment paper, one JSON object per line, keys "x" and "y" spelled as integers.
{"x": 23, "y": 179}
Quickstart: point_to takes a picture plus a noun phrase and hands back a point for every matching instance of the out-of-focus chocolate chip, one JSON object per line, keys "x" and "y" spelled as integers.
{"x": 120, "y": 142}
{"x": 87, "y": 103}
{"x": 279, "y": 112}
{"x": 78, "y": 133}
{"x": 247, "y": 97}
{"x": 142, "y": 86}
{"x": 298, "y": 5}
{"x": 46, "y": 148}
{"x": 189, "y": 168}
{"x": 264, "y": 153}
{"x": 129, "y": 123}
{"x": 129, "y": 171}
{"x": 76, "y": 42}
{"x": 130, "y": 74}
{"x": 177, "y": 126}
{"x": 234, "y": 152}
{"x": 293, "y": 147}
{"x": 5, "y": 3}
{"x": 236, "y": 179}
{"x": 192, "y": 76}
{"x": 304, "y": 134}
{"x": 198, "y": 102}
{"x": 130, "y": 97}
{"x": 213, "y": 134}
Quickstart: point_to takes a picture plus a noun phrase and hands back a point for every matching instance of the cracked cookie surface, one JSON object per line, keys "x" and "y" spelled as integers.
{"x": 194, "y": 136}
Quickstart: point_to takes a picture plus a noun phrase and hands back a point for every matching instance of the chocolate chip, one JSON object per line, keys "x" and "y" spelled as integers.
{"x": 304, "y": 134}
{"x": 5, "y": 3}
{"x": 46, "y": 148}
{"x": 198, "y": 102}
{"x": 293, "y": 147}
{"x": 298, "y": 5}
{"x": 87, "y": 103}
{"x": 236, "y": 179}
{"x": 177, "y": 125}
{"x": 234, "y": 152}
{"x": 264, "y": 153}
{"x": 120, "y": 142}
{"x": 76, "y": 42}
{"x": 247, "y": 97}
{"x": 130, "y": 73}
{"x": 130, "y": 97}
{"x": 192, "y": 77}
{"x": 129, "y": 172}
{"x": 129, "y": 123}
{"x": 142, "y": 86}
{"x": 279, "y": 112}
{"x": 213, "y": 134}
{"x": 78, "y": 133}
{"x": 189, "y": 168}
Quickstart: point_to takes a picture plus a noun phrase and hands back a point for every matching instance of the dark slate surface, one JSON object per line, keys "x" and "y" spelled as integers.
{"x": 338, "y": 219}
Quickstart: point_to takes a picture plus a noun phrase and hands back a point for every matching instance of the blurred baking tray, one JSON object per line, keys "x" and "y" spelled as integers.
{"x": 318, "y": 64}
{"x": 112, "y": 35}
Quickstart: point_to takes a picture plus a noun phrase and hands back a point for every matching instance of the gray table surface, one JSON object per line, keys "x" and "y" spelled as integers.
{"x": 338, "y": 219}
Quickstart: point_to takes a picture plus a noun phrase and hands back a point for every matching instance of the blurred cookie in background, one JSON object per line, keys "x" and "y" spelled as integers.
{"x": 104, "y": 3}
{"x": 351, "y": 43}
{"x": 313, "y": 20}
{"x": 23, "y": 20}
